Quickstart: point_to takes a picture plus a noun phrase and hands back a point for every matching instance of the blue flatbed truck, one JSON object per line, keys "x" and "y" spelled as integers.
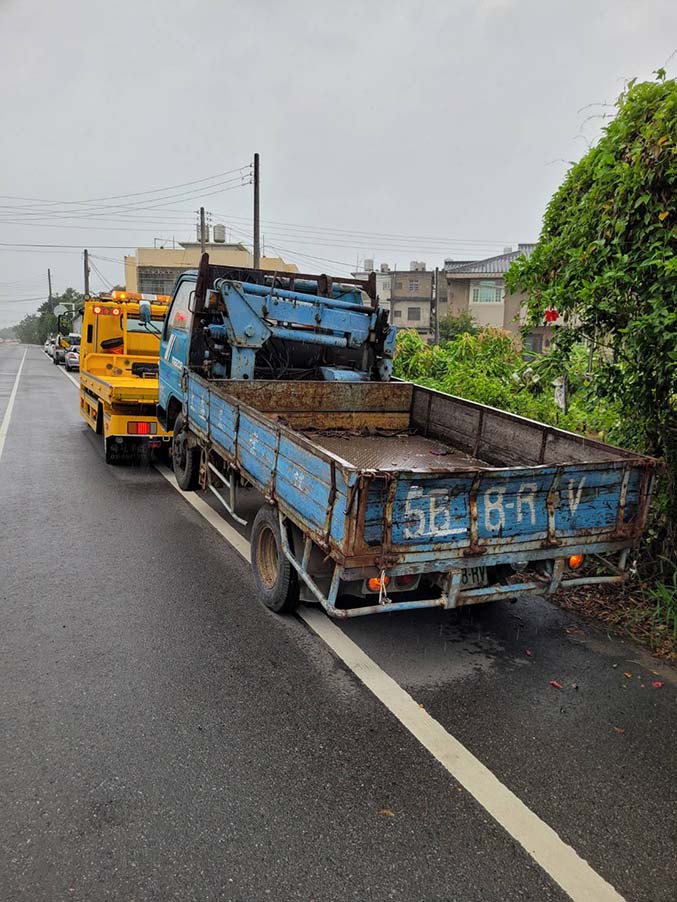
{"x": 377, "y": 495}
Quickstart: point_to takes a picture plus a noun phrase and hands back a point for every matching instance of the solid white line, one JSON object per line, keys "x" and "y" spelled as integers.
{"x": 559, "y": 860}
{"x": 4, "y": 426}
{"x": 76, "y": 382}
{"x": 232, "y": 536}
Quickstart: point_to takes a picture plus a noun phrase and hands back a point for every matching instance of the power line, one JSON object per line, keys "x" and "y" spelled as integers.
{"x": 299, "y": 254}
{"x": 98, "y": 272}
{"x": 107, "y": 209}
{"x": 92, "y": 200}
{"x": 117, "y": 247}
{"x": 365, "y": 234}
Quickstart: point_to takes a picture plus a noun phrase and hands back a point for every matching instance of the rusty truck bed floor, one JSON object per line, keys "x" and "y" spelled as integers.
{"x": 401, "y": 451}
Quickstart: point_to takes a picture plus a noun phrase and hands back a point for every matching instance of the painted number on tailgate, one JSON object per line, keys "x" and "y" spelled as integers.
{"x": 504, "y": 508}
{"x": 433, "y": 514}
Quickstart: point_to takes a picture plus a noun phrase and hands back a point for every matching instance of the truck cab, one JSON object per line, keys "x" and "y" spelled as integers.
{"x": 174, "y": 348}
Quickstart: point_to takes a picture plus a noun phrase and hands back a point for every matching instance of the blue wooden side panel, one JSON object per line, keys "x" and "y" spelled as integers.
{"x": 300, "y": 479}
{"x": 514, "y": 505}
{"x": 303, "y": 482}
{"x": 222, "y": 422}
{"x": 344, "y": 484}
{"x": 633, "y": 497}
{"x": 198, "y": 404}
{"x": 588, "y": 501}
{"x": 256, "y": 448}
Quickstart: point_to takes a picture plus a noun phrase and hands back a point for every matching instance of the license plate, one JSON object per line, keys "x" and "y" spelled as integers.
{"x": 474, "y": 577}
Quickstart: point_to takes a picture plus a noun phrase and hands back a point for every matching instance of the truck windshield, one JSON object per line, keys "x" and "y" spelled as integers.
{"x": 135, "y": 325}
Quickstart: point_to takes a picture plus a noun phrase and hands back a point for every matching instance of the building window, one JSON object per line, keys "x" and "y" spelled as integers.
{"x": 398, "y": 284}
{"x": 154, "y": 280}
{"x": 413, "y": 284}
{"x": 414, "y": 314}
{"x": 486, "y": 292}
{"x": 397, "y": 314}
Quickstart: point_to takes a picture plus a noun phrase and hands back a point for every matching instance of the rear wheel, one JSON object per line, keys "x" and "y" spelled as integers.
{"x": 55, "y": 359}
{"x": 185, "y": 459}
{"x": 275, "y": 577}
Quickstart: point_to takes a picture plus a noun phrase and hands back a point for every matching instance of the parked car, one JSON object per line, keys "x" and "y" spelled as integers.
{"x": 72, "y": 358}
{"x": 49, "y": 347}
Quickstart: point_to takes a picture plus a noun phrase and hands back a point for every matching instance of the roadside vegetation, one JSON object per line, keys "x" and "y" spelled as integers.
{"x": 606, "y": 263}
{"x": 34, "y": 328}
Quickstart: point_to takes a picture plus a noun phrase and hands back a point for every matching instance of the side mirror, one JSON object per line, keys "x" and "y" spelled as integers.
{"x": 145, "y": 312}
{"x": 191, "y": 302}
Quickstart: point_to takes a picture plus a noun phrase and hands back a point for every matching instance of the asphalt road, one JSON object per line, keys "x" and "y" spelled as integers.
{"x": 163, "y": 736}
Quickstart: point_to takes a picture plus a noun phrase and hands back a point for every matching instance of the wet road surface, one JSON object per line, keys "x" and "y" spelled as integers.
{"x": 165, "y": 737}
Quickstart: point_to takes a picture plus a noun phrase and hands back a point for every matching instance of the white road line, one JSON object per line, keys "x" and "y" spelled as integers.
{"x": 232, "y": 536}
{"x": 559, "y": 860}
{"x": 76, "y": 382}
{"x": 4, "y": 426}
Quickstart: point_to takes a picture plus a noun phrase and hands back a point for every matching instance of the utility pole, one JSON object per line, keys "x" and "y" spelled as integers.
{"x": 257, "y": 224}
{"x": 436, "y": 302}
{"x": 202, "y": 230}
{"x": 49, "y": 282}
{"x": 86, "y": 273}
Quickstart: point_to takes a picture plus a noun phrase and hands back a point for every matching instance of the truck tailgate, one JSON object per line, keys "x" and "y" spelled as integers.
{"x": 502, "y": 512}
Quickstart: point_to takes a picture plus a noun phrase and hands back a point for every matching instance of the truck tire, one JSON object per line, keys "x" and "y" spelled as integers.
{"x": 55, "y": 359}
{"x": 185, "y": 460}
{"x": 275, "y": 577}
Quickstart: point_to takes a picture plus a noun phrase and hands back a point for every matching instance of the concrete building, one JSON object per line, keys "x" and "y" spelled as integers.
{"x": 478, "y": 287}
{"x": 153, "y": 270}
{"x": 411, "y": 298}
{"x": 384, "y": 277}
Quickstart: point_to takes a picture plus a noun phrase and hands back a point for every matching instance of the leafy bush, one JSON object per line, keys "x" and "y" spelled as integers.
{"x": 606, "y": 260}
{"x": 489, "y": 369}
{"x": 453, "y": 326}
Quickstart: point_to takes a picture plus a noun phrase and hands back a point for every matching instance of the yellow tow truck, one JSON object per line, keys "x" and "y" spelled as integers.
{"x": 119, "y": 355}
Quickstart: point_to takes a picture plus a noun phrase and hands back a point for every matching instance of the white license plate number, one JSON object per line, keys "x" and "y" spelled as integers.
{"x": 474, "y": 578}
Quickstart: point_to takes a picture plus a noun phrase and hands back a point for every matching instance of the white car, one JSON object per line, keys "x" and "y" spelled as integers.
{"x": 49, "y": 347}
{"x": 72, "y": 358}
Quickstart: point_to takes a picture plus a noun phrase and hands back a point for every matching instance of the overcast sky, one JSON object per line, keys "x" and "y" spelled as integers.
{"x": 413, "y": 130}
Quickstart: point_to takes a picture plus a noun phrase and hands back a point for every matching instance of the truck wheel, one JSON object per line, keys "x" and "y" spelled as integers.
{"x": 55, "y": 360}
{"x": 185, "y": 460}
{"x": 275, "y": 577}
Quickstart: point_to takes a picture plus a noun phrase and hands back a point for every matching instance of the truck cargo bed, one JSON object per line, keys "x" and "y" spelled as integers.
{"x": 393, "y": 451}
{"x": 394, "y": 472}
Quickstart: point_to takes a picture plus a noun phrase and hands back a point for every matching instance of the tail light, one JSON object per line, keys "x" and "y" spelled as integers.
{"x": 576, "y": 561}
{"x": 376, "y": 583}
{"x": 140, "y": 428}
{"x": 406, "y": 580}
